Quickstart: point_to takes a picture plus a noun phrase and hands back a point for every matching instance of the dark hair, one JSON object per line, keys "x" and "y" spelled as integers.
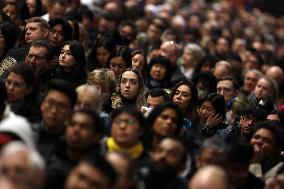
{"x": 231, "y": 79}
{"x": 143, "y": 71}
{"x": 163, "y": 61}
{"x": 155, "y": 113}
{"x": 131, "y": 110}
{"x": 121, "y": 51}
{"x": 43, "y": 44}
{"x": 239, "y": 152}
{"x": 157, "y": 92}
{"x": 64, "y": 87}
{"x": 67, "y": 30}
{"x": 218, "y": 102}
{"x": 131, "y": 24}
{"x": 97, "y": 122}
{"x": 10, "y": 33}
{"x": 274, "y": 128}
{"x": 100, "y": 163}
{"x": 78, "y": 52}
{"x": 209, "y": 59}
{"x": 26, "y": 72}
{"x": 105, "y": 42}
{"x": 207, "y": 79}
{"x": 193, "y": 103}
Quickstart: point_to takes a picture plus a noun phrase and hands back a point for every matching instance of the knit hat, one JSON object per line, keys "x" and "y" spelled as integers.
{"x": 20, "y": 127}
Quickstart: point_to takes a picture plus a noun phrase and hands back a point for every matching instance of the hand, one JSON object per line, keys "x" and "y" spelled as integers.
{"x": 213, "y": 120}
{"x": 257, "y": 155}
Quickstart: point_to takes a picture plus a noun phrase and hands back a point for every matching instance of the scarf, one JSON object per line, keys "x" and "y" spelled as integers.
{"x": 134, "y": 151}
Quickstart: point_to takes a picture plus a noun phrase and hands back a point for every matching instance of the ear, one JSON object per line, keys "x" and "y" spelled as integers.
{"x": 45, "y": 33}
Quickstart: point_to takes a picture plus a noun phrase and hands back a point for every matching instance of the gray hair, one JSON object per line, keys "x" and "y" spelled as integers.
{"x": 215, "y": 144}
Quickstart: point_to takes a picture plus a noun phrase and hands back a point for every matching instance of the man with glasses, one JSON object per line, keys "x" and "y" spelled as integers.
{"x": 56, "y": 108}
{"x": 39, "y": 56}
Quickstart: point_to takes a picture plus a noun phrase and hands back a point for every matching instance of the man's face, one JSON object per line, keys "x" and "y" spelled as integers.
{"x": 246, "y": 124}
{"x": 129, "y": 85}
{"x": 15, "y": 165}
{"x": 264, "y": 143}
{"x": 263, "y": 89}
{"x": 154, "y": 101}
{"x": 55, "y": 109}
{"x": 37, "y": 59}
{"x": 168, "y": 155}
{"x": 168, "y": 50}
{"x": 250, "y": 81}
{"x": 85, "y": 176}
{"x": 80, "y": 132}
{"x": 226, "y": 89}
{"x": 55, "y": 36}
{"x": 210, "y": 157}
{"x": 56, "y": 11}
{"x": 153, "y": 33}
{"x": 34, "y": 32}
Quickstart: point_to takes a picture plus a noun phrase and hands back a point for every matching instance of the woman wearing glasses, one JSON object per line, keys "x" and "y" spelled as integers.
{"x": 21, "y": 92}
{"x": 127, "y": 130}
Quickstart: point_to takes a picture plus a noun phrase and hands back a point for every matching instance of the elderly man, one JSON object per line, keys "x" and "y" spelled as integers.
{"x": 170, "y": 50}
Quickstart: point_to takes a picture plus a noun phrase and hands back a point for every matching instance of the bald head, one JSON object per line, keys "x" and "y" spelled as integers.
{"x": 170, "y": 50}
{"x": 211, "y": 177}
{"x": 276, "y": 73}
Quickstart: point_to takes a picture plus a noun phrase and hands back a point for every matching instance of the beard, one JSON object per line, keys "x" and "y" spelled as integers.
{"x": 161, "y": 174}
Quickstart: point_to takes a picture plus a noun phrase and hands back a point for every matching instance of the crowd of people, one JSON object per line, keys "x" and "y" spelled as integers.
{"x": 141, "y": 94}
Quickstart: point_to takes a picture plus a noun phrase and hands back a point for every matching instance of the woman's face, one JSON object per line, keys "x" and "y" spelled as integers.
{"x": 11, "y": 11}
{"x": 16, "y": 87}
{"x": 187, "y": 57}
{"x": 125, "y": 130}
{"x": 165, "y": 124}
{"x": 66, "y": 59}
{"x": 31, "y": 6}
{"x": 263, "y": 89}
{"x": 206, "y": 110}
{"x": 102, "y": 56}
{"x": 138, "y": 61}
{"x": 117, "y": 65}
{"x": 182, "y": 97}
{"x": 129, "y": 85}
{"x": 158, "y": 72}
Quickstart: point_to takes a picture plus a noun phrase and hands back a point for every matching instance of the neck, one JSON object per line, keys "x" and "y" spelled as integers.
{"x": 156, "y": 140}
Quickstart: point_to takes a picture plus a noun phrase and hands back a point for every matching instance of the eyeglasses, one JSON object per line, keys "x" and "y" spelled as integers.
{"x": 120, "y": 121}
{"x": 36, "y": 57}
{"x": 51, "y": 103}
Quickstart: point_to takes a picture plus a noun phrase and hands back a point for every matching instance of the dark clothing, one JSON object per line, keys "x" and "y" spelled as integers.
{"x": 45, "y": 141}
{"x": 74, "y": 78}
{"x": 18, "y": 54}
{"x": 28, "y": 109}
{"x": 252, "y": 183}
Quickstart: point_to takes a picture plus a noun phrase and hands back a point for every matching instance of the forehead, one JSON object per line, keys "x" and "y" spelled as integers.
{"x": 55, "y": 94}
{"x": 15, "y": 76}
{"x": 33, "y": 25}
{"x": 169, "y": 111}
{"x": 225, "y": 83}
{"x": 171, "y": 145}
{"x": 264, "y": 133}
{"x": 129, "y": 75}
{"x": 184, "y": 88}
{"x": 263, "y": 82}
{"x": 57, "y": 27}
{"x": 251, "y": 74}
{"x": 39, "y": 50}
